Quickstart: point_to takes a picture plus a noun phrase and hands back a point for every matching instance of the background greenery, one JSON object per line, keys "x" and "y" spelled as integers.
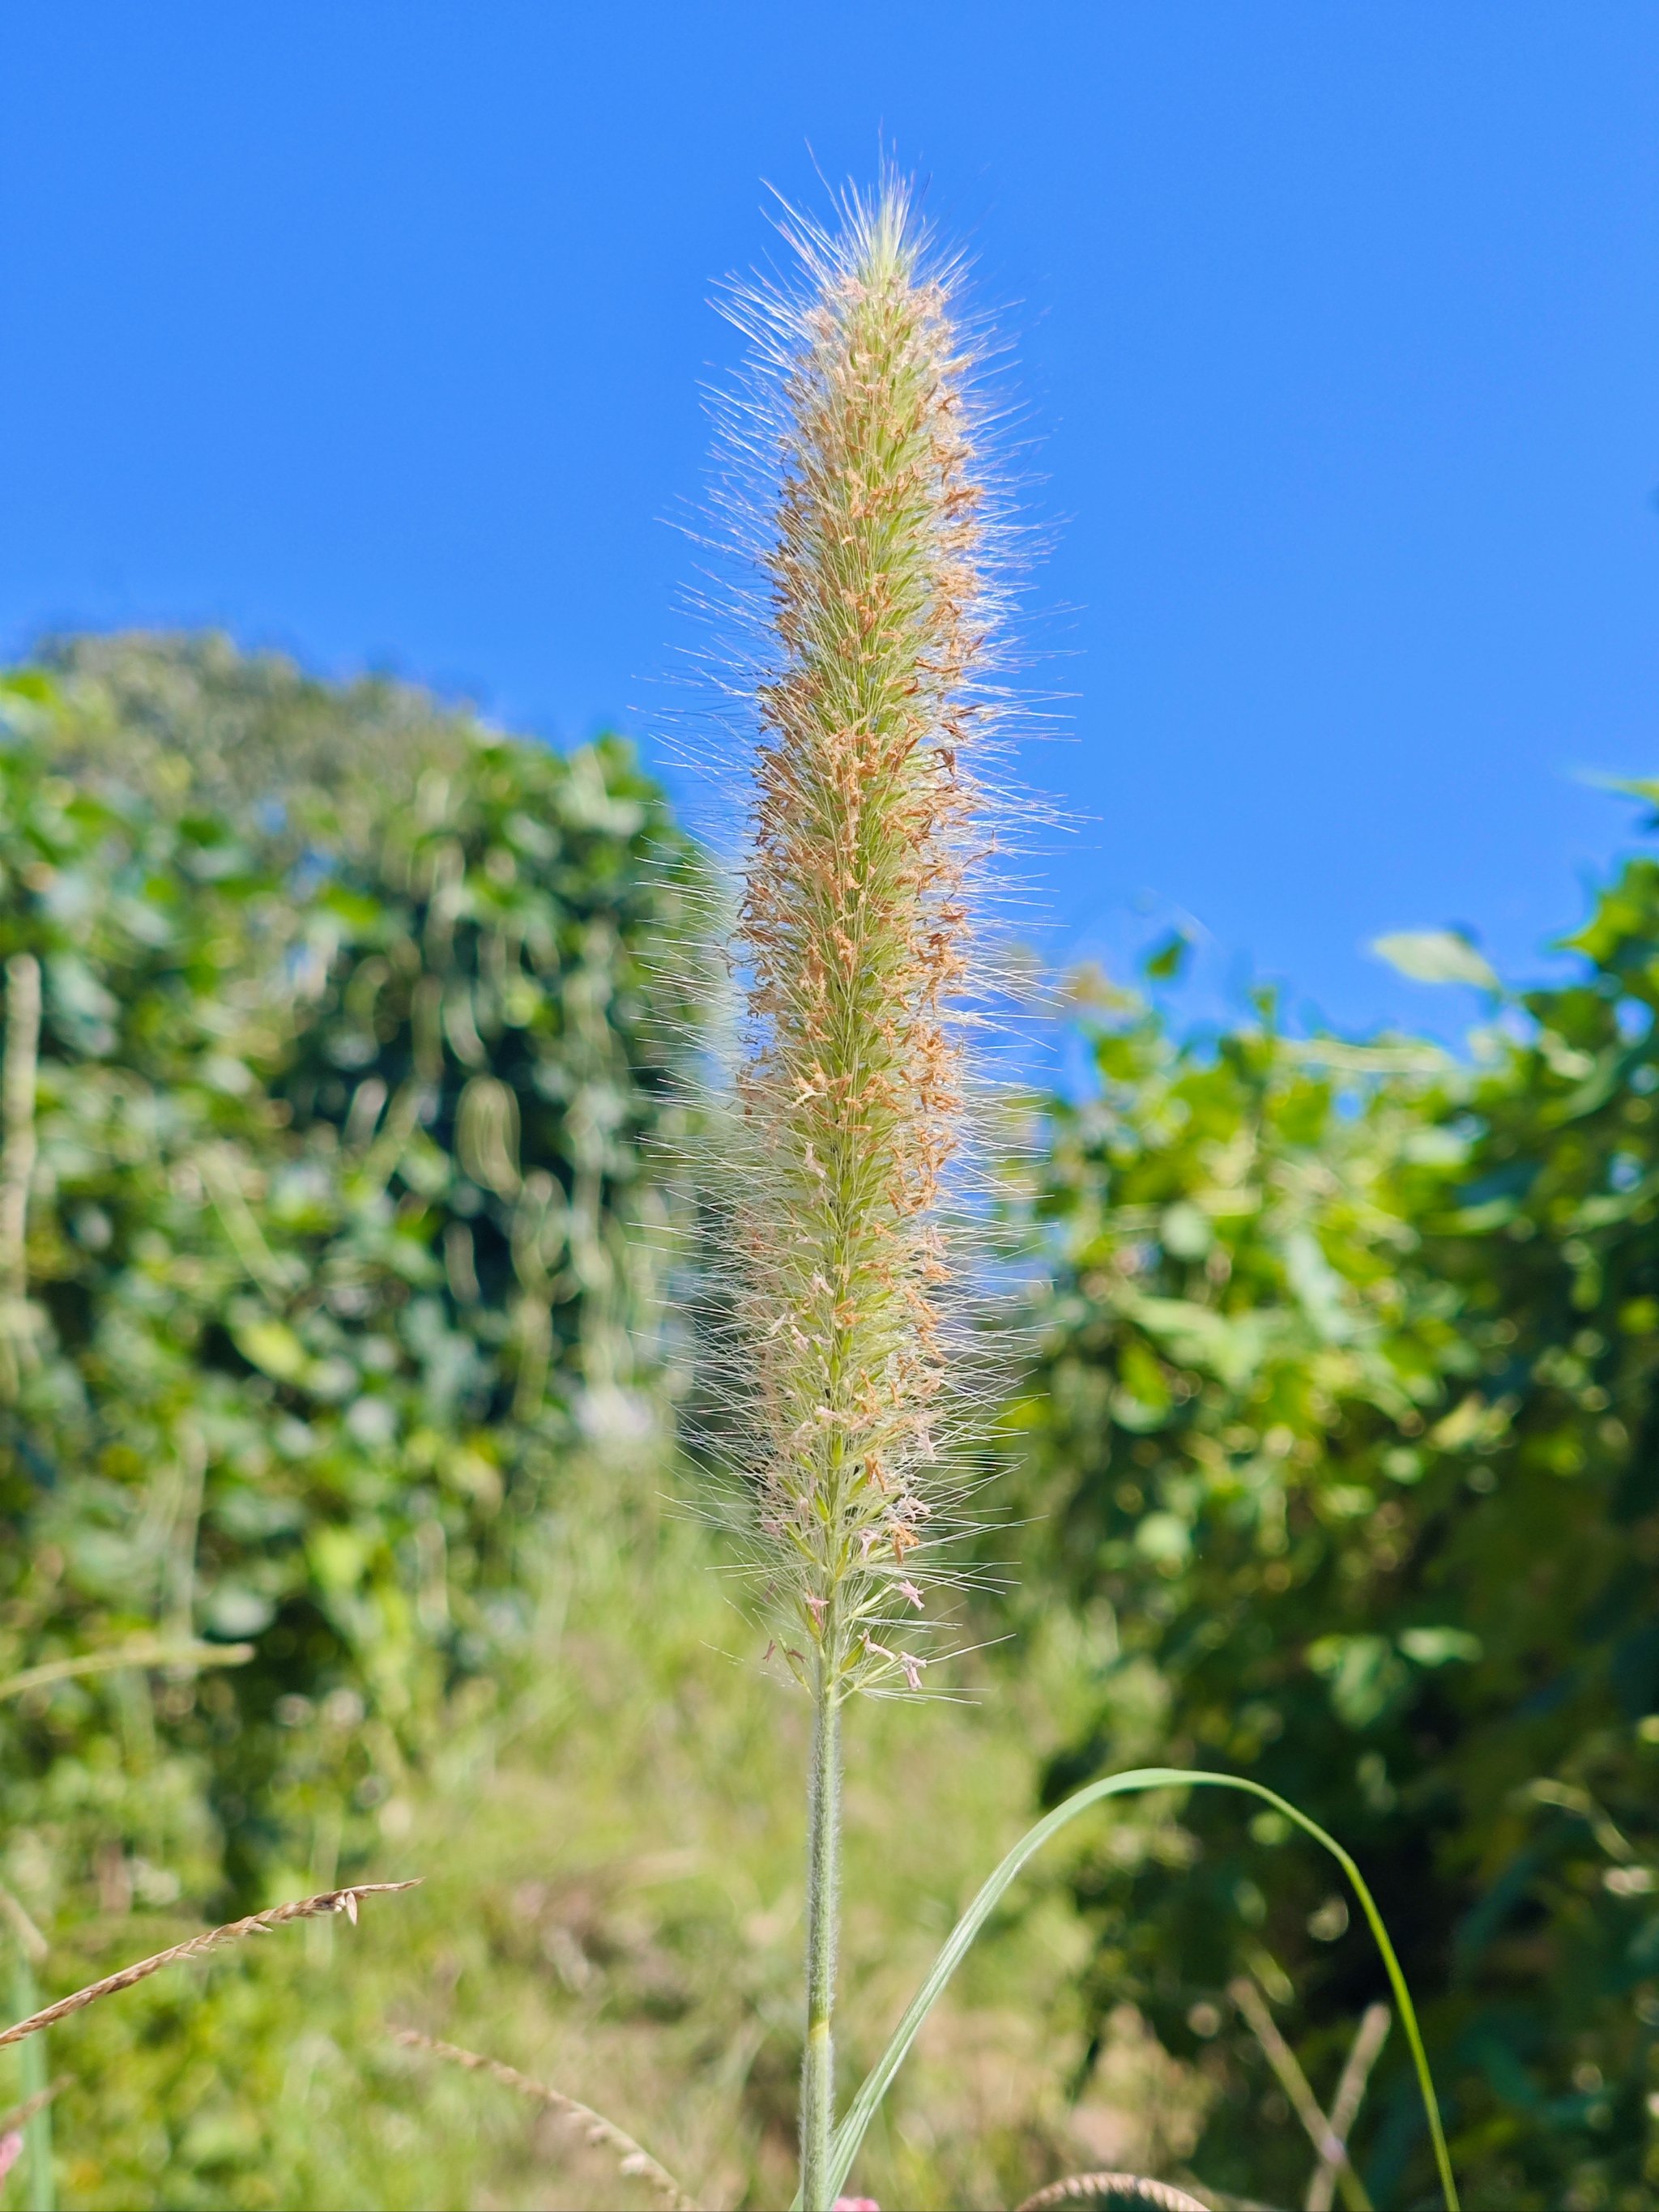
{"x": 1335, "y": 1464}
{"x": 1345, "y": 1425}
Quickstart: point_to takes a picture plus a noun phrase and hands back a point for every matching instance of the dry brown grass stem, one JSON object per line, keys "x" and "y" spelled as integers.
{"x": 13, "y": 2122}
{"x": 306, "y": 1908}
{"x": 1329, "y": 2141}
{"x": 1371, "y": 2035}
{"x": 1129, "y": 2189}
{"x": 634, "y": 2161}
{"x": 1283, "y": 2060}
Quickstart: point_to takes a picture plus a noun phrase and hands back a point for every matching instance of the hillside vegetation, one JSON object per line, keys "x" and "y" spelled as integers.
{"x": 343, "y": 1338}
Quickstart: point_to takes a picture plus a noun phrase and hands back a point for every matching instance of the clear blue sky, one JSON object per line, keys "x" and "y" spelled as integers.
{"x": 378, "y": 331}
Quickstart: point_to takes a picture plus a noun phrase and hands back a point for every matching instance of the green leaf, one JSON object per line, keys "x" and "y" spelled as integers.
{"x": 1165, "y": 962}
{"x": 1185, "y": 1231}
{"x": 338, "y": 1556}
{"x": 1318, "y": 1286}
{"x": 272, "y": 1347}
{"x": 1436, "y": 1647}
{"x": 1195, "y": 1336}
{"x": 1435, "y": 955}
{"x": 1362, "y": 1672}
{"x": 851, "y": 2133}
{"x": 1165, "y": 1538}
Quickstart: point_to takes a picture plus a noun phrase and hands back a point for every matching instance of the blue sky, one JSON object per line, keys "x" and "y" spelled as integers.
{"x": 378, "y": 332}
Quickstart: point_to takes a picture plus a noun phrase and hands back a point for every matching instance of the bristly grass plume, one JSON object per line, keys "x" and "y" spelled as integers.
{"x": 866, "y": 834}
{"x": 867, "y": 829}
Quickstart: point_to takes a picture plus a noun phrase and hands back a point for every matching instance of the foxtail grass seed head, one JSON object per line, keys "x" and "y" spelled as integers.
{"x": 865, "y": 834}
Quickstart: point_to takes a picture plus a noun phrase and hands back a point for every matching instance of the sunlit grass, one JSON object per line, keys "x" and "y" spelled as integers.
{"x": 611, "y": 1903}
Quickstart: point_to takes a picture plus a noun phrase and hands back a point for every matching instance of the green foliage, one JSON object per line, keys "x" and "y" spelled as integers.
{"x": 610, "y": 1901}
{"x": 1345, "y": 1421}
{"x": 343, "y": 1235}
{"x": 301, "y": 765}
{"x": 355, "y": 1114}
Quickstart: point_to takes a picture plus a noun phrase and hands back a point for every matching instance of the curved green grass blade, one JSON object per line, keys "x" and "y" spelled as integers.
{"x": 142, "y": 1651}
{"x": 851, "y": 2132}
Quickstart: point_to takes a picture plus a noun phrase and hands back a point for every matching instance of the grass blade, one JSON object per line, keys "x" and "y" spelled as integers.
{"x": 146, "y": 1651}
{"x": 851, "y": 2132}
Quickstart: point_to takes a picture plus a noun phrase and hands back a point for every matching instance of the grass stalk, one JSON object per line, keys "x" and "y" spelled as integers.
{"x": 185, "y": 1655}
{"x": 1298, "y": 2091}
{"x": 817, "y": 2089}
{"x": 853, "y": 940}
{"x": 1371, "y": 2035}
{"x": 634, "y": 2160}
{"x": 40, "y": 2188}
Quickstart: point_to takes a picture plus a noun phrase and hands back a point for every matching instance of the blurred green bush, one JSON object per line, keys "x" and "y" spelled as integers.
{"x": 357, "y": 1118}
{"x": 360, "y": 1021}
{"x": 1345, "y": 1428}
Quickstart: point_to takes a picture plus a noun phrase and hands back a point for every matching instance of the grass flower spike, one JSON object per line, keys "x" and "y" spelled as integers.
{"x": 854, "y": 938}
{"x": 855, "y": 934}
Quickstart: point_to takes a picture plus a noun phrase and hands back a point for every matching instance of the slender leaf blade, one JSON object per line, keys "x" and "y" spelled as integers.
{"x": 850, "y": 2134}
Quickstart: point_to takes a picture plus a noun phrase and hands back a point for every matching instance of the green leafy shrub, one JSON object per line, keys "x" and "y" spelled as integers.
{"x": 352, "y": 1065}
{"x": 1344, "y": 1419}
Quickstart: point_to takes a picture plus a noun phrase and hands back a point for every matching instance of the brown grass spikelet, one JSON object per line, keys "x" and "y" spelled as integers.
{"x": 632, "y": 2159}
{"x": 345, "y": 1900}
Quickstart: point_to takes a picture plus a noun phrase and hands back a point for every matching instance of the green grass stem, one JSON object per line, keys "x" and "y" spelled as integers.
{"x": 39, "y": 2191}
{"x": 818, "y": 2089}
{"x": 144, "y": 1651}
